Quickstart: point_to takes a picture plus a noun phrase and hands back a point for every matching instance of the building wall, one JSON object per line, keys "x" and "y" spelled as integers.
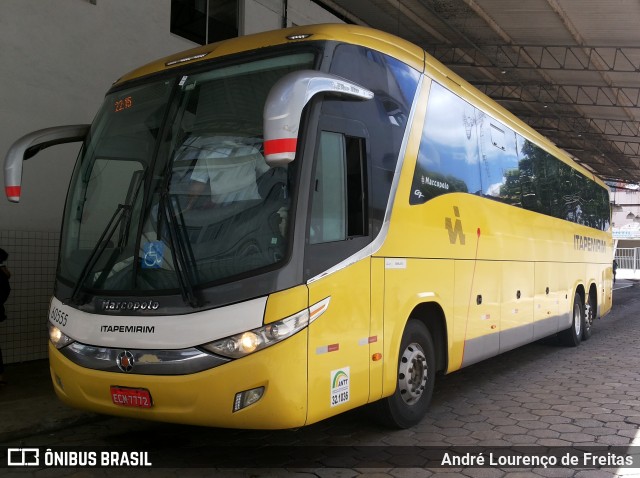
{"x": 626, "y": 230}
{"x": 626, "y": 202}
{"x": 263, "y": 15}
{"x": 58, "y": 60}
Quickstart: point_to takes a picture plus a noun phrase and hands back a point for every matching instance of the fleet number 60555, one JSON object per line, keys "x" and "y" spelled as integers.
{"x": 59, "y": 317}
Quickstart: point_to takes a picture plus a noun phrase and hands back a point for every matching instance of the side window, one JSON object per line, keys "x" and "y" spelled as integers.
{"x": 339, "y": 198}
{"x": 597, "y": 207}
{"x": 384, "y": 117}
{"x": 465, "y": 150}
{"x": 557, "y": 189}
{"x": 499, "y": 157}
{"x": 521, "y": 189}
{"x": 547, "y": 185}
{"x": 448, "y": 159}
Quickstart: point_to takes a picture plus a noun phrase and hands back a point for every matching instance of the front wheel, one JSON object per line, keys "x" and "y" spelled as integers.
{"x": 572, "y": 336}
{"x": 416, "y": 377}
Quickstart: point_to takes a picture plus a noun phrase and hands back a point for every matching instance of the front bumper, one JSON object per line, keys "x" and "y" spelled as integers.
{"x": 202, "y": 398}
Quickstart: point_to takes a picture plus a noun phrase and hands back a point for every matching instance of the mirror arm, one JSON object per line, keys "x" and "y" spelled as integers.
{"x": 31, "y": 144}
{"x": 284, "y": 105}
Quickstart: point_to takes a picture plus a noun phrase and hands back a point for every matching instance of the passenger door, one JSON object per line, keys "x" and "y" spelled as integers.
{"x": 338, "y": 227}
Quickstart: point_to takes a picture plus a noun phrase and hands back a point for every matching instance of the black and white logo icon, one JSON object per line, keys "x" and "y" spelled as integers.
{"x": 125, "y": 361}
{"x": 23, "y": 457}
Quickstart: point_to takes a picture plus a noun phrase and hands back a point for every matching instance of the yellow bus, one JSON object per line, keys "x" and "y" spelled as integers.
{"x": 274, "y": 229}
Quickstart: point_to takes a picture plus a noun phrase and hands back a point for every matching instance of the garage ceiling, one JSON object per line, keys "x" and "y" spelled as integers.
{"x": 569, "y": 68}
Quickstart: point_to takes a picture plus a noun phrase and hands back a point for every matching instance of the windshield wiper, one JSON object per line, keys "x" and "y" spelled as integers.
{"x": 126, "y": 211}
{"x": 122, "y": 211}
{"x": 179, "y": 252}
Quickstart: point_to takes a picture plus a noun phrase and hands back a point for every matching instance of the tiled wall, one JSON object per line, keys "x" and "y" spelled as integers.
{"x": 32, "y": 262}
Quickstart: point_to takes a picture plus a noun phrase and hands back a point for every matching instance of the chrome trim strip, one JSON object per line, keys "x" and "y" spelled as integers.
{"x": 546, "y": 326}
{"x": 185, "y": 59}
{"x": 515, "y": 337}
{"x": 480, "y": 348}
{"x": 145, "y": 362}
{"x": 377, "y": 242}
{"x": 160, "y": 332}
{"x": 490, "y": 345}
{"x": 565, "y": 320}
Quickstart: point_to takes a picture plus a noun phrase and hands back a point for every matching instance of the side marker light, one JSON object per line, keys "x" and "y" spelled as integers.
{"x": 300, "y": 36}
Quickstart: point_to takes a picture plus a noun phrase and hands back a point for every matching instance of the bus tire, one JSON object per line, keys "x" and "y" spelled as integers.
{"x": 416, "y": 377}
{"x": 572, "y": 336}
{"x": 589, "y": 316}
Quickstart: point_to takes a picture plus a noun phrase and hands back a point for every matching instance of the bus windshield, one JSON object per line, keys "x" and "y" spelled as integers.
{"x": 171, "y": 189}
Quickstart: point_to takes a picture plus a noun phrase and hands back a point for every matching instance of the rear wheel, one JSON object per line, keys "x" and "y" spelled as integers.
{"x": 572, "y": 336}
{"x": 416, "y": 377}
{"x": 589, "y": 316}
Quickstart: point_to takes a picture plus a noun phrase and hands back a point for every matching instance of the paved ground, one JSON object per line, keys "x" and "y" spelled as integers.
{"x": 569, "y": 401}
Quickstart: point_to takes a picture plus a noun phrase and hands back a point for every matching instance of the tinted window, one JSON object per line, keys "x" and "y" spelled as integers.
{"x": 448, "y": 159}
{"x": 384, "y": 117}
{"x": 498, "y": 155}
{"x": 465, "y": 150}
{"x": 561, "y": 191}
{"x": 339, "y": 202}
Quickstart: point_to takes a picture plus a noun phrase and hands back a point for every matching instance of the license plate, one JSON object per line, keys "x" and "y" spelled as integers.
{"x": 131, "y": 397}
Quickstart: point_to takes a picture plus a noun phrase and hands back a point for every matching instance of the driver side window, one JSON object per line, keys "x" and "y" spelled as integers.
{"x": 339, "y": 197}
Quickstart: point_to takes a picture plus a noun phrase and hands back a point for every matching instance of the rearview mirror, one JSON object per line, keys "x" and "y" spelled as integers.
{"x": 284, "y": 105}
{"x": 31, "y": 144}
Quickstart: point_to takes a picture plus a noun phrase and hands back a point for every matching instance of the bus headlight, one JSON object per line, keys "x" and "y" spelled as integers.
{"x": 57, "y": 337}
{"x": 251, "y": 341}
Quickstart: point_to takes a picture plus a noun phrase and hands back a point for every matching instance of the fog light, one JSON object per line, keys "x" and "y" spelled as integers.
{"x": 246, "y": 398}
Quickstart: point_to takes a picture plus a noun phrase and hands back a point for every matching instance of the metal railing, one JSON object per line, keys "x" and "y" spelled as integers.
{"x": 628, "y": 258}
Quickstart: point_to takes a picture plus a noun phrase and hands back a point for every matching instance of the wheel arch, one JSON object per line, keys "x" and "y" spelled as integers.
{"x": 433, "y": 317}
{"x": 593, "y": 292}
{"x": 581, "y": 292}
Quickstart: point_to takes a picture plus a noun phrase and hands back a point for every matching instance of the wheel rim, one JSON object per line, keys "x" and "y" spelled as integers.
{"x": 412, "y": 374}
{"x": 589, "y": 312}
{"x": 577, "y": 319}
